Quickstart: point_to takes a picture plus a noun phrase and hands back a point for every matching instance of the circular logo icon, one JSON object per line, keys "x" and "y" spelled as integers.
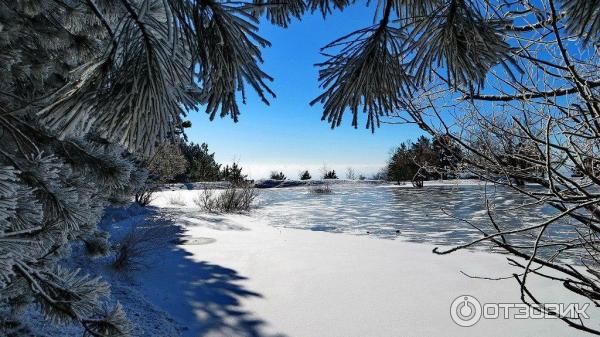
{"x": 465, "y": 310}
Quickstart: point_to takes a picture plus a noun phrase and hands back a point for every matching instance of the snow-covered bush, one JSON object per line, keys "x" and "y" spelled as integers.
{"x": 231, "y": 200}
{"x": 206, "y": 200}
{"x": 144, "y": 195}
{"x": 305, "y": 175}
{"x": 176, "y": 200}
{"x": 132, "y": 250}
{"x": 97, "y": 244}
{"x": 330, "y": 175}
{"x": 321, "y": 189}
{"x": 277, "y": 175}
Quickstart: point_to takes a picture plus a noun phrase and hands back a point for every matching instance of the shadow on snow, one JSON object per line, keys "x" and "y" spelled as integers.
{"x": 202, "y": 296}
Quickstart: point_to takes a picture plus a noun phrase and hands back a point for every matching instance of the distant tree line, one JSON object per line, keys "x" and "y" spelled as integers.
{"x": 325, "y": 174}
{"x": 424, "y": 159}
{"x": 190, "y": 162}
{"x": 351, "y": 174}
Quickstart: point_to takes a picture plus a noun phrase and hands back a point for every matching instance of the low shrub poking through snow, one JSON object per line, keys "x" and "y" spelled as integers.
{"x": 97, "y": 245}
{"x": 132, "y": 251}
{"x": 206, "y": 200}
{"x": 177, "y": 200}
{"x": 144, "y": 195}
{"x": 231, "y": 200}
{"x": 322, "y": 189}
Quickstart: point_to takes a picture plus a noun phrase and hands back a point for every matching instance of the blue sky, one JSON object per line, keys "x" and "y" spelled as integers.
{"x": 289, "y": 135}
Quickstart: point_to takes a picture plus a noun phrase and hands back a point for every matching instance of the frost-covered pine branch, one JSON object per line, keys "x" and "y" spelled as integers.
{"x": 87, "y": 89}
{"x": 88, "y": 85}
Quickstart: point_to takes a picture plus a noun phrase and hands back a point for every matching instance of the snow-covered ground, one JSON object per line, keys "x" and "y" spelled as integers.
{"x": 238, "y": 275}
{"x": 235, "y": 275}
